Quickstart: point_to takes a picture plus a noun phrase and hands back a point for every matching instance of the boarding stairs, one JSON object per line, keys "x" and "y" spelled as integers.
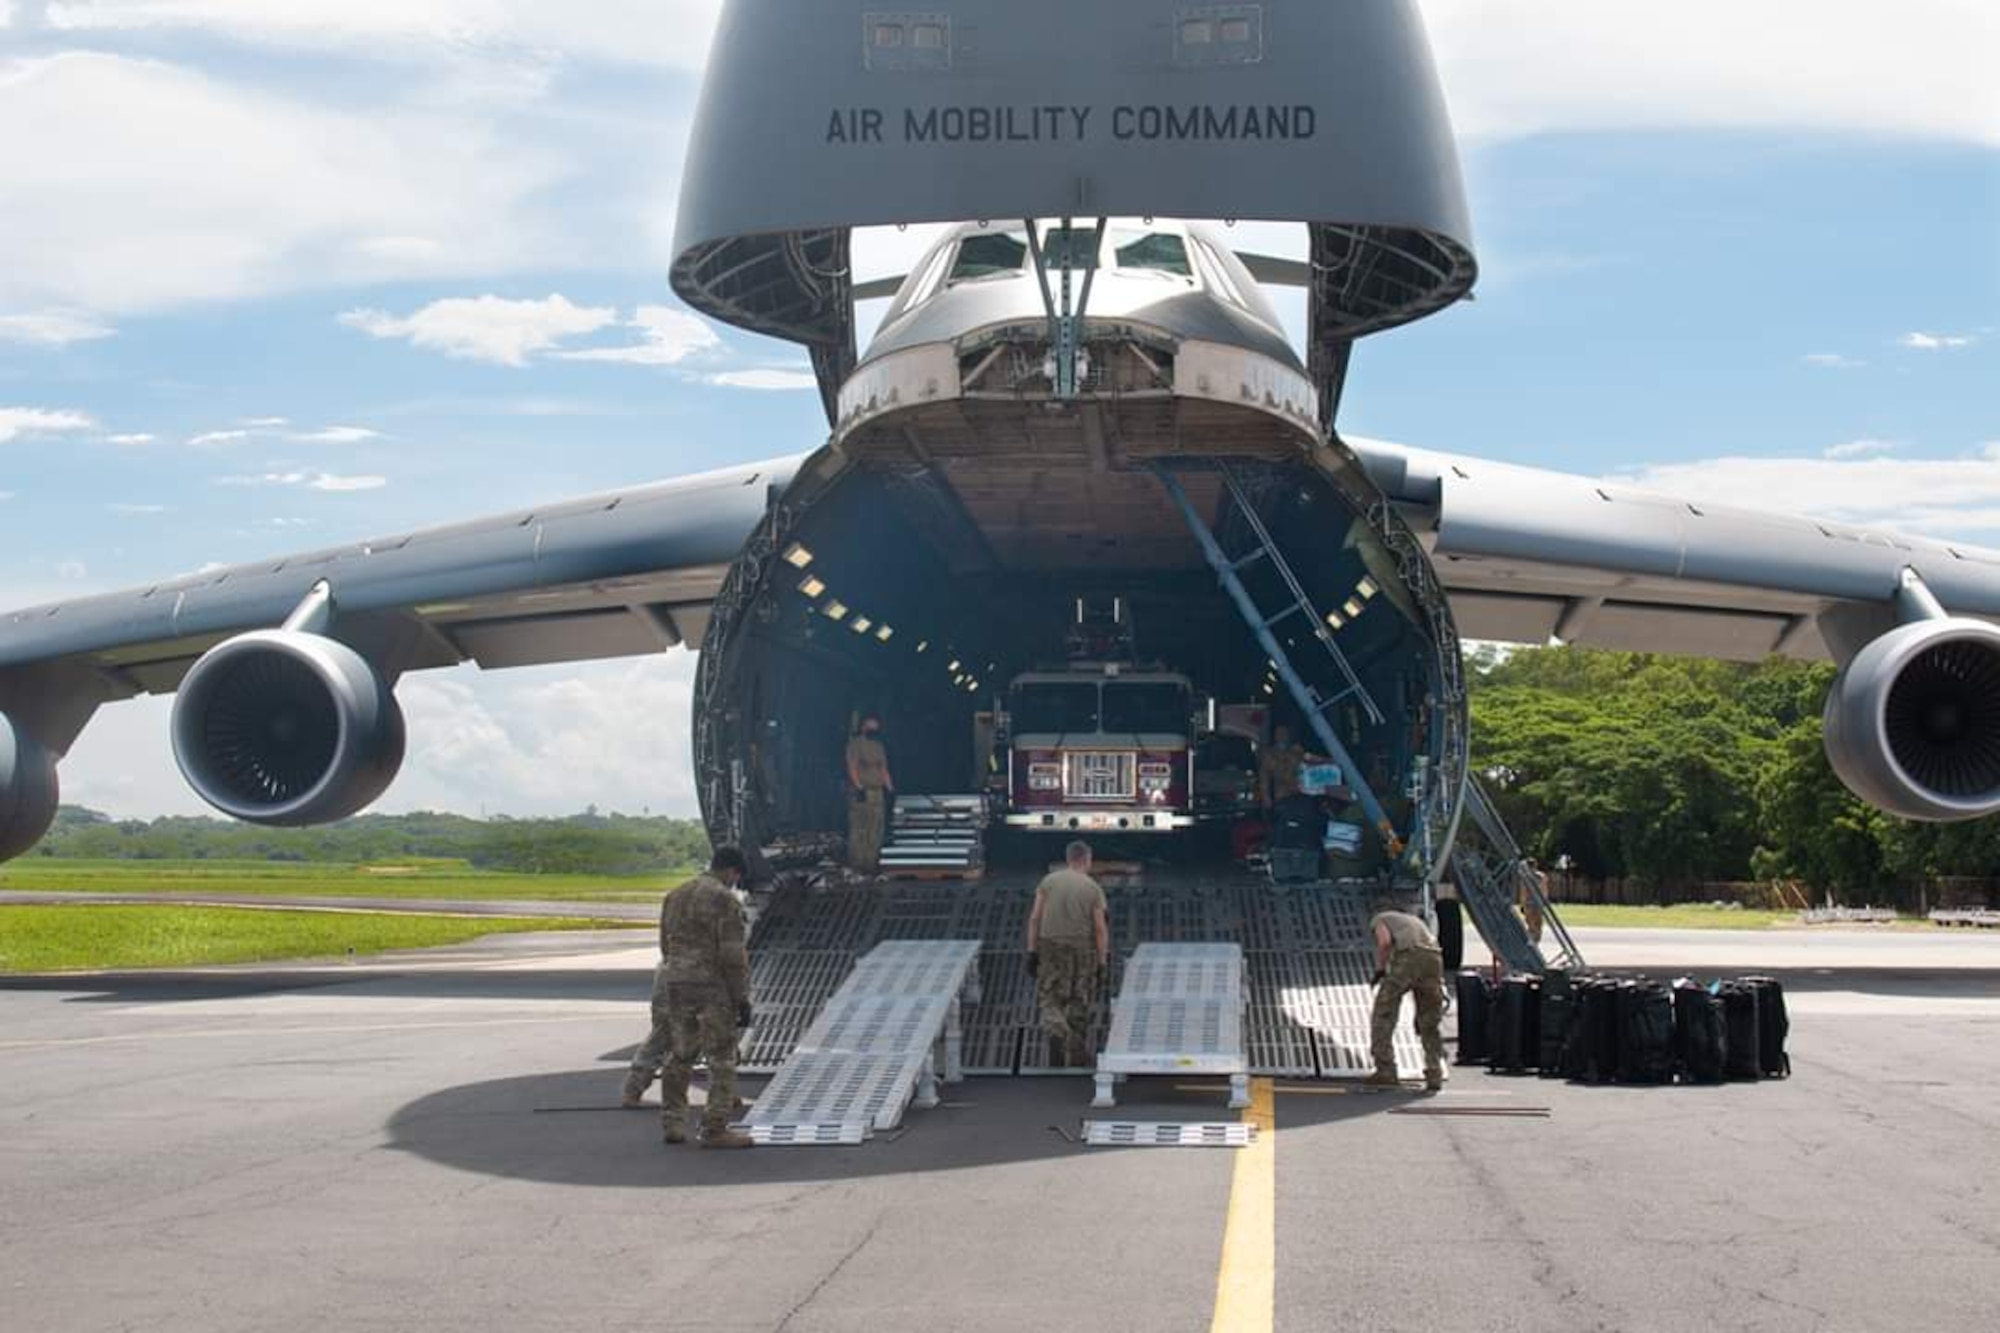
{"x": 881, "y": 1044}
{"x": 935, "y": 836}
{"x": 1290, "y": 610}
{"x": 1492, "y": 876}
{"x": 1179, "y": 1011}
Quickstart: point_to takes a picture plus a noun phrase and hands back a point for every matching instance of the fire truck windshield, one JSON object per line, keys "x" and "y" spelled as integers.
{"x": 1049, "y": 707}
{"x": 1145, "y": 708}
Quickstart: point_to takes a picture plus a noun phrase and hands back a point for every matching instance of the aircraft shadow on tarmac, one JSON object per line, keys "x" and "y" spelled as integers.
{"x": 566, "y": 1128}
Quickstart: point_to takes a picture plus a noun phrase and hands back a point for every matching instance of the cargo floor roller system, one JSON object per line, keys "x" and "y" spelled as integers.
{"x": 1306, "y": 962}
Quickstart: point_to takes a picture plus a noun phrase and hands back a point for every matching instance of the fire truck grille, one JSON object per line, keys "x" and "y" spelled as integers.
{"x": 1101, "y": 775}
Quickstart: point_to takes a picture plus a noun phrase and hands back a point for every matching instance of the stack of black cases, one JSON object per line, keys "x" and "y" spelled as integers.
{"x": 1604, "y": 1029}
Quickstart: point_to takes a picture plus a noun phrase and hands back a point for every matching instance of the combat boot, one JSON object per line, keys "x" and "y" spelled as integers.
{"x": 1382, "y": 1078}
{"x": 725, "y": 1137}
{"x": 1434, "y": 1081}
{"x": 672, "y": 1134}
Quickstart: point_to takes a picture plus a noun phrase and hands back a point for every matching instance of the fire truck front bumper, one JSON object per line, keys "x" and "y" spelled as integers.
{"x": 1100, "y": 821}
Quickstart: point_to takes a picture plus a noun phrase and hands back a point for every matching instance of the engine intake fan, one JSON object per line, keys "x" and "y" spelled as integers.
{"x": 287, "y": 728}
{"x": 1913, "y": 722}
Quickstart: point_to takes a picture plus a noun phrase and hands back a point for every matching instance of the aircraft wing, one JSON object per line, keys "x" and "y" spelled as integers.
{"x": 617, "y": 574}
{"x": 1529, "y": 555}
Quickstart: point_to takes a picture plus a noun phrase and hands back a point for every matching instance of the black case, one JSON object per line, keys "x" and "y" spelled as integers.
{"x": 1472, "y": 999}
{"x": 1743, "y": 1049}
{"x": 1645, "y": 1033}
{"x": 1557, "y": 1017}
{"x": 1773, "y": 1027}
{"x": 1298, "y": 825}
{"x": 1513, "y": 1025}
{"x": 1701, "y": 1035}
{"x": 1591, "y": 1054}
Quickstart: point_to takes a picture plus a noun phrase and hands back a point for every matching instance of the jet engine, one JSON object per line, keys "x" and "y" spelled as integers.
{"x": 28, "y": 789}
{"x": 1913, "y": 721}
{"x": 288, "y": 728}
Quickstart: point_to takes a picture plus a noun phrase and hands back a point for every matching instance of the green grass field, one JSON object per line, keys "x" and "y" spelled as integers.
{"x": 279, "y": 879}
{"x": 88, "y": 936}
{"x": 1692, "y": 916}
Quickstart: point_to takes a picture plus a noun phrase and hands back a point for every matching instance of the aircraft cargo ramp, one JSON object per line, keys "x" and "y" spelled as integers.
{"x": 1306, "y": 961}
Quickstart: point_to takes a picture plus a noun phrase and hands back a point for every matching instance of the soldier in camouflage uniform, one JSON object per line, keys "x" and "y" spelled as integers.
{"x": 870, "y": 787}
{"x": 1407, "y": 960}
{"x": 1069, "y": 943}
{"x": 701, "y": 1003}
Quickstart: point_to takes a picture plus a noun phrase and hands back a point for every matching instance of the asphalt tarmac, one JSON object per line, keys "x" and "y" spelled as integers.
{"x": 433, "y": 1142}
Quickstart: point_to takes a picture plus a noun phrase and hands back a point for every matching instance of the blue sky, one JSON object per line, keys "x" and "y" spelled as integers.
{"x": 284, "y": 275}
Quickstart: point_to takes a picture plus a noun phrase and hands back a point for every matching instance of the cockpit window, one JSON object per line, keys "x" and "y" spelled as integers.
{"x": 1070, "y": 247}
{"x": 1215, "y": 274}
{"x": 1156, "y": 252}
{"x": 988, "y": 253}
{"x": 925, "y": 286}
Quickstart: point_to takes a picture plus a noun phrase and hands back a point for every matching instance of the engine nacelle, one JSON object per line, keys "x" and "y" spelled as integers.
{"x": 1913, "y": 722}
{"x": 288, "y": 728}
{"x": 29, "y": 793}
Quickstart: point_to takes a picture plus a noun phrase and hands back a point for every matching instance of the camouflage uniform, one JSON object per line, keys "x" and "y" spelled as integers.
{"x": 1415, "y": 967}
{"x": 1067, "y": 970}
{"x": 1066, "y": 989}
{"x": 867, "y": 758}
{"x": 1278, "y": 770}
{"x": 702, "y": 980}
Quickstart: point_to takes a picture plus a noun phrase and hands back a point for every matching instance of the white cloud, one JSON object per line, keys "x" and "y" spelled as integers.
{"x": 209, "y": 439}
{"x": 6, "y": 495}
{"x": 1948, "y": 497}
{"x": 1935, "y": 342}
{"x": 1862, "y": 448}
{"x": 140, "y": 509}
{"x": 1921, "y": 67}
{"x": 1833, "y": 361}
{"x": 136, "y": 438}
{"x": 766, "y": 379}
{"x": 336, "y": 435}
{"x": 266, "y": 423}
{"x": 146, "y": 186}
{"x": 658, "y": 32}
{"x": 670, "y": 337}
{"x": 327, "y": 482}
{"x": 487, "y": 328}
{"x": 74, "y": 571}
{"x": 318, "y": 481}
{"x": 551, "y": 740}
{"x": 53, "y": 328}
{"x": 19, "y": 422}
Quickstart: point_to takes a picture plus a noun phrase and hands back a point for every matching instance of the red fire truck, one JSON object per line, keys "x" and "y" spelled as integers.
{"x": 1100, "y": 748}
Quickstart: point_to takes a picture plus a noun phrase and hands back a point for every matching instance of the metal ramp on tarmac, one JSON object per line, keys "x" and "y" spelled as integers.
{"x": 1306, "y": 962}
{"x": 880, "y": 1045}
{"x": 1179, "y": 1011}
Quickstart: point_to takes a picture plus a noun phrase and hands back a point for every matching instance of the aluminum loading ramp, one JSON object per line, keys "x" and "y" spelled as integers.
{"x": 1179, "y": 1011}
{"x": 881, "y": 1044}
{"x": 1306, "y": 959}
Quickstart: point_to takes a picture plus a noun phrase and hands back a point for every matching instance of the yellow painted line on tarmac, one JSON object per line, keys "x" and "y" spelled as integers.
{"x": 1246, "y": 1285}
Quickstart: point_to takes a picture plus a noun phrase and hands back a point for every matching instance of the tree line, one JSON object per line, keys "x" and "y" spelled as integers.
{"x": 1680, "y": 771}
{"x": 585, "y": 844}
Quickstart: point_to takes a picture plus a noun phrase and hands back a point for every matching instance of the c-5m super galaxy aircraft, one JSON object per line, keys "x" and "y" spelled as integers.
{"x": 1070, "y": 399}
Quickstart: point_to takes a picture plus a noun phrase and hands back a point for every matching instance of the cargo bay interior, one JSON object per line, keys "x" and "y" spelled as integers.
{"x": 915, "y": 585}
